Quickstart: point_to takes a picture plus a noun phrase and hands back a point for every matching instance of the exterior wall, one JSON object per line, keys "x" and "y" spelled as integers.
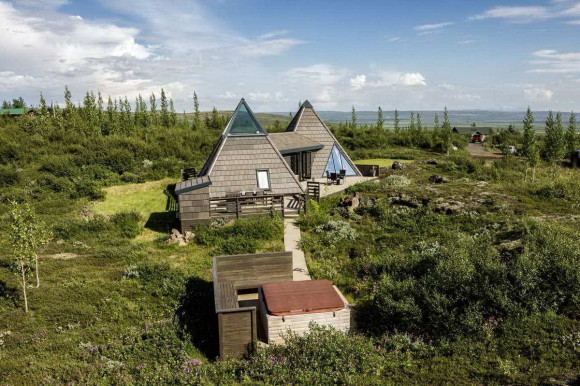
{"x": 310, "y": 126}
{"x": 276, "y": 326}
{"x": 237, "y": 330}
{"x": 235, "y": 167}
{"x": 194, "y": 208}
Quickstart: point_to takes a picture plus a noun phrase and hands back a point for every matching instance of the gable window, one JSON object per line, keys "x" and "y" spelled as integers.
{"x": 263, "y": 176}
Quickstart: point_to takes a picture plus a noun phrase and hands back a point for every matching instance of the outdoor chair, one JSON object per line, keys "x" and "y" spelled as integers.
{"x": 341, "y": 175}
{"x": 334, "y": 178}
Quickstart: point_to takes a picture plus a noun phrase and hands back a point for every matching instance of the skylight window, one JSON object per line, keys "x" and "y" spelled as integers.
{"x": 244, "y": 122}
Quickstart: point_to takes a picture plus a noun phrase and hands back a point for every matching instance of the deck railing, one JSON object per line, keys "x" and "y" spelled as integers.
{"x": 313, "y": 190}
{"x": 244, "y": 206}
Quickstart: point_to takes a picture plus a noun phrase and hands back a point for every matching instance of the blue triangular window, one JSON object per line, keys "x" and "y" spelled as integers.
{"x": 337, "y": 162}
{"x": 243, "y": 122}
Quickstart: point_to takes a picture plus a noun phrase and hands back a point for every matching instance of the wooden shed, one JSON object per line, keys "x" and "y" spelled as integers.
{"x": 237, "y": 281}
{"x": 575, "y": 158}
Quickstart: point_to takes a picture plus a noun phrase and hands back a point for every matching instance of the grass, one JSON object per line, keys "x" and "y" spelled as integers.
{"x": 147, "y": 199}
{"x": 382, "y": 162}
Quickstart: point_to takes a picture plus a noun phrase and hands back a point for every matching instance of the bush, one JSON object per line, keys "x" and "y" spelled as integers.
{"x": 128, "y": 223}
{"x": 120, "y": 161}
{"x": 453, "y": 290}
{"x": 8, "y": 176}
{"x": 59, "y": 165}
{"x": 396, "y": 180}
{"x": 242, "y": 236}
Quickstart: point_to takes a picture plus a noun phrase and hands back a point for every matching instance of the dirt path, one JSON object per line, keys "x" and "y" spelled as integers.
{"x": 478, "y": 151}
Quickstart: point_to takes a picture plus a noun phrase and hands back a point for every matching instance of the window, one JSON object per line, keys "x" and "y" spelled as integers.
{"x": 337, "y": 162}
{"x": 263, "y": 179}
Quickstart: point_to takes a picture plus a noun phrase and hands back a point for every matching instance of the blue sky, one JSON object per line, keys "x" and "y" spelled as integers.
{"x": 418, "y": 55}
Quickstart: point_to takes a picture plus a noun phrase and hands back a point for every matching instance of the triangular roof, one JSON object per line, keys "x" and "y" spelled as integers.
{"x": 243, "y": 148}
{"x": 243, "y": 122}
{"x": 306, "y": 122}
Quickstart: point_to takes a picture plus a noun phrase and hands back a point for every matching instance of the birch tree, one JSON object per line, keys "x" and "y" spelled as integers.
{"x": 28, "y": 235}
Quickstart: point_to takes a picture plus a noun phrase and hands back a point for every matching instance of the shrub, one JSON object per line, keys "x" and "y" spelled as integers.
{"x": 8, "y": 176}
{"x": 242, "y": 236}
{"x": 396, "y": 180}
{"x": 128, "y": 223}
{"x": 120, "y": 161}
{"x": 59, "y": 165}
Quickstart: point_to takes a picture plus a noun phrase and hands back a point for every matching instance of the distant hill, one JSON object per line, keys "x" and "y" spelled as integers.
{"x": 482, "y": 118}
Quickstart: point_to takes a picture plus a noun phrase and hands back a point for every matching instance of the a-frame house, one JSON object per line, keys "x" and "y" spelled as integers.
{"x": 331, "y": 157}
{"x": 244, "y": 161}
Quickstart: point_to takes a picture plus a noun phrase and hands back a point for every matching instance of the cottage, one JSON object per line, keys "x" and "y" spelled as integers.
{"x": 17, "y": 112}
{"x": 477, "y": 134}
{"x": 244, "y": 163}
{"x": 250, "y": 171}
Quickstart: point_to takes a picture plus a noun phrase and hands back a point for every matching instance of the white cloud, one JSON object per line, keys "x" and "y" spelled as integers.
{"x": 573, "y": 22}
{"x": 538, "y": 95}
{"x": 394, "y": 39}
{"x": 465, "y": 42}
{"x": 274, "y": 34}
{"x": 317, "y": 74}
{"x": 413, "y": 79}
{"x": 516, "y": 14}
{"x": 395, "y": 78}
{"x": 358, "y": 82}
{"x": 555, "y": 62}
{"x": 527, "y": 14}
{"x": 429, "y": 27}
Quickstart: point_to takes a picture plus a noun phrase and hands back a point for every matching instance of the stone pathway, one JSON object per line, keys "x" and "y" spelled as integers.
{"x": 292, "y": 231}
{"x": 291, "y": 240}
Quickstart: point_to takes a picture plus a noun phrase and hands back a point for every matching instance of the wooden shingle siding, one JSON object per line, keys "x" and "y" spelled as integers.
{"x": 309, "y": 125}
{"x": 235, "y": 167}
{"x": 194, "y": 208}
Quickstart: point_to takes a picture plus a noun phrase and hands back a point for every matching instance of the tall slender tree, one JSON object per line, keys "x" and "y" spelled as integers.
{"x": 412, "y": 125}
{"x": 397, "y": 121}
{"x": 196, "y": 113}
{"x": 172, "y": 113}
{"x": 419, "y": 123}
{"x": 380, "y": 119}
{"x": 28, "y": 235}
{"x": 446, "y": 130}
{"x": 165, "y": 120}
{"x": 529, "y": 134}
{"x": 571, "y": 136}
{"x": 554, "y": 138}
{"x": 153, "y": 109}
{"x": 436, "y": 122}
{"x": 353, "y": 117}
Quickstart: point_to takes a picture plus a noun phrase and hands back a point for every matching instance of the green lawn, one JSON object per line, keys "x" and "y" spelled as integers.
{"x": 382, "y": 162}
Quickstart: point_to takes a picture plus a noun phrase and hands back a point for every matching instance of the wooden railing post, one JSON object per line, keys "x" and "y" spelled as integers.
{"x": 238, "y": 209}
{"x": 282, "y": 205}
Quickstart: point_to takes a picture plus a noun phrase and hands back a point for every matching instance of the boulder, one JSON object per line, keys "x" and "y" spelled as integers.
{"x": 448, "y": 207}
{"x": 432, "y": 162}
{"x": 435, "y": 179}
{"x": 397, "y": 165}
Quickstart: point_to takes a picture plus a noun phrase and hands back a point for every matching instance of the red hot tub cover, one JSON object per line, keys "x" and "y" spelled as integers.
{"x": 301, "y": 297}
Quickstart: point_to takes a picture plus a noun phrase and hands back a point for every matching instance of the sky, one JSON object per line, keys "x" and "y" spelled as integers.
{"x": 409, "y": 55}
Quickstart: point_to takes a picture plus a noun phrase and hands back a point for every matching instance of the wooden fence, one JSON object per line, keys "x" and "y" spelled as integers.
{"x": 313, "y": 190}
{"x": 243, "y": 206}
